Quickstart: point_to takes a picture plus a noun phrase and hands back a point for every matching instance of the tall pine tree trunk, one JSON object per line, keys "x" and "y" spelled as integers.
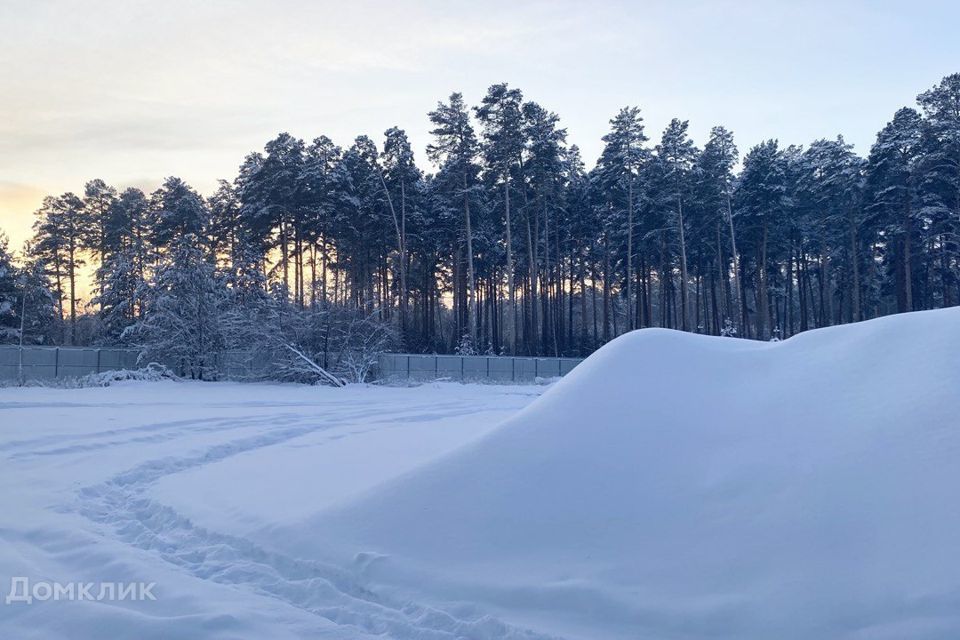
{"x": 763, "y": 300}
{"x": 532, "y": 341}
{"x": 471, "y": 293}
{"x": 606, "y": 288}
{"x": 684, "y": 306}
{"x": 285, "y": 258}
{"x": 583, "y": 307}
{"x": 404, "y": 294}
{"x": 907, "y": 262}
{"x": 72, "y": 275}
{"x": 855, "y": 260}
{"x": 738, "y": 290}
{"x": 511, "y": 293}
{"x": 630, "y": 325}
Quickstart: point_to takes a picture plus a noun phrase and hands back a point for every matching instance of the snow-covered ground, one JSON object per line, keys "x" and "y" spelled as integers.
{"x": 672, "y": 486}
{"x": 164, "y": 482}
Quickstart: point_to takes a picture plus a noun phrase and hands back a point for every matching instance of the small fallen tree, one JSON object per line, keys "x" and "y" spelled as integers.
{"x": 361, "y": 338}
{"x": 313, "y": 366}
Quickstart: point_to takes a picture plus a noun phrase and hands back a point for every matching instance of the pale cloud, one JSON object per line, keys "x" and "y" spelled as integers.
{"x": 17, "y": 203}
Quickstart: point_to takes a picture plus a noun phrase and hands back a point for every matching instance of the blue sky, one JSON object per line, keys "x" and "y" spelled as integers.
{"x": 132, "y": 91}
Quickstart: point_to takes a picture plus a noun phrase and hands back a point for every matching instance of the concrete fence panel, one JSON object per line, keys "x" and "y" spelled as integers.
{"x": 525, "y": 369}
{"x": 45, "y": 363}
{"x": 450, "y": 367}
{"x": 475, "y": 368}
{"x": 466, "y": 368}
{"x": 500, "y": 369}
{"x": 567, "y": 365}
{"x": 419, "y": 367}
{"x": 548, "y": 367}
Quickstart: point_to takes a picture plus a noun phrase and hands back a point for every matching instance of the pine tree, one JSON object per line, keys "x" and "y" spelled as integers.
{"x": 893, "y": 194}
{"x": 503, "y": 144}
{"x": 27, "y": 307}
{"x": 677, "y": 155}
{"x": 401, "y": 181}
{"x": 940, "y": 168}
{"x": 176, "y": 212}
{"x": 121, "y": 277}
{"x": 225, "y": 222}
{"x": 319, "y": 199}
{"x": 760, "y": 206}
{"x": 619, "y": 166}
{"x": 455, "y": 150}
{"x": 714, "y": 199}
{"x": 361, "y": 222}
{"x": 98, "y": 201}
{"x": 57, "y": 243}
{"x": 543, "y": 168}
{"x": 182, "y": 325}
{"x": 120, "y": 290}
{"x": 39, "y": 323}
{"x": 833, "y": 178}
{"x": 9, "y": 294}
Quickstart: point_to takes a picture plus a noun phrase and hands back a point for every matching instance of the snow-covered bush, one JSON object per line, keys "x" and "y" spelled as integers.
{"x": 465, "y": 346}
{"x": 153, "y": 372}
{"x": 729, "y": 330}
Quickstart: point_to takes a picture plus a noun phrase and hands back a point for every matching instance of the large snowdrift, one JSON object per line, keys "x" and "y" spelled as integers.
{"x": 681, "y": 486}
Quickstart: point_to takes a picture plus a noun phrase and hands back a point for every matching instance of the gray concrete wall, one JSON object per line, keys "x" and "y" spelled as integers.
{"x": 46, "y": 363}
{"x": 397, "y": 366}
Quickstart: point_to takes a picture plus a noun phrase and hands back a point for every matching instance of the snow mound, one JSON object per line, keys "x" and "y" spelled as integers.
{"x": 683, "y": 486}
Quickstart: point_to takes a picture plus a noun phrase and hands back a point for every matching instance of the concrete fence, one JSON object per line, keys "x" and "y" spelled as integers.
{"x": 493, "y": 368}
{"x": 45, "y": 363}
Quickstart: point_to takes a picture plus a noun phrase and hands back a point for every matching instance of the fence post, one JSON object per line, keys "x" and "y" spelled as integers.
{"x": 408, "y": 367}
{"x": 56, "y": 362}
{"x": 99, "y": 351}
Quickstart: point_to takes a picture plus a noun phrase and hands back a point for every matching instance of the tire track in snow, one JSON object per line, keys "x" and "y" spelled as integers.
{"x": 171, "y": 429}
{"x": 334, "y": 593}
{"x": 153, "y": 432}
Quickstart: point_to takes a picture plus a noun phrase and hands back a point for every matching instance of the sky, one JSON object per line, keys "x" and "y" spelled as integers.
{"x": 133, "y": 91}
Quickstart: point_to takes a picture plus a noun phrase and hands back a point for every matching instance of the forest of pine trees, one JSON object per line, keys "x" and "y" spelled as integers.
{"x": 510, "y": 246}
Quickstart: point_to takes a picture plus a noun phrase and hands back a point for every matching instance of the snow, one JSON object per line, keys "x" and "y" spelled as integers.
{"x": 84, "y": 472}
{"x": 672, "y": 486}
{"x": 734, "y": 489}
